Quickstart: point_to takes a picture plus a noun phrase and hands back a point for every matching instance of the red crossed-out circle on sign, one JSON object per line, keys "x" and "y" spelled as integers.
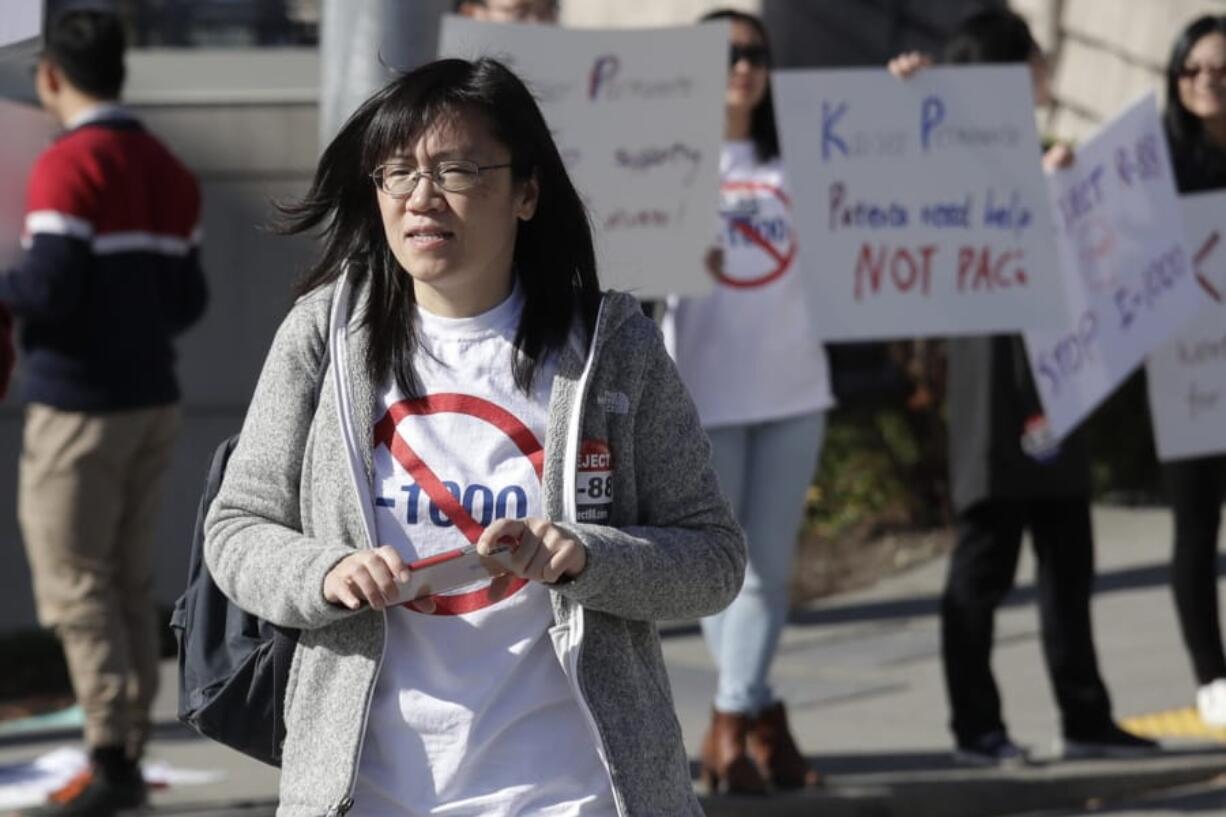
{"x": 403, "y": 453}
{"x": 783, "y": 260}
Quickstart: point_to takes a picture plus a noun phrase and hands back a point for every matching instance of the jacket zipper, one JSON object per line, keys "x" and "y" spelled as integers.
{"x": 341, "y": 808}
{"x": 602, "y": 751}
{"x": 570, "y": 513}
{"x": 339, "y": 329}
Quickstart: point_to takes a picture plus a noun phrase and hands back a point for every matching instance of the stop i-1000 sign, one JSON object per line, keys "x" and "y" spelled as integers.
{"x": 758, "y": 229}
{"x": 446, "y": 506}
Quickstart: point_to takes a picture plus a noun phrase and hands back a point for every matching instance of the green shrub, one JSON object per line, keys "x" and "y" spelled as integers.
{"x": 881, "y": 468}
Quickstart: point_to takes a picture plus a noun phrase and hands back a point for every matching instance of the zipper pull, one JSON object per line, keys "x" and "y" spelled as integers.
{"x": 341, "y": 808}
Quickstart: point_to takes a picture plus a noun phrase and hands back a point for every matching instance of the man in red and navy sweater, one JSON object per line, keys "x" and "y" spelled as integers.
{"x": 111, "y": 274}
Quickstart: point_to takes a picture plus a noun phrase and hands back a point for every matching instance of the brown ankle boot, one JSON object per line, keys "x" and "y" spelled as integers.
{"x": 726, "y": 768}
{"x": 769, "y": 742}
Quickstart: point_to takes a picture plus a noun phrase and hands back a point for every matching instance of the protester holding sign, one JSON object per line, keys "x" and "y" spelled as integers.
{"x": 1008, "y": 474}
{"x": 484, "y": 393}
{"x": 1196, "y": 130}
{"x": 751, "y": 359}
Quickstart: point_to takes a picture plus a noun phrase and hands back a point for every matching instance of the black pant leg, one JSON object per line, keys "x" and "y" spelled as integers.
{"x": 1064, "y": 548}
{"x": 1195, "y": 488}
{"x": 981, "y": 573}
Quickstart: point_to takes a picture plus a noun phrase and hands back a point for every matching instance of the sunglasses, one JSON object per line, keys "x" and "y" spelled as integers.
{"x": 755, "y": 55}
{"x": 1194, "y": 71}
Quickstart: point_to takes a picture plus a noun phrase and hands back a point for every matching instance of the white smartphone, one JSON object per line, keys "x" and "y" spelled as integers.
{"x": 444, "y": 571}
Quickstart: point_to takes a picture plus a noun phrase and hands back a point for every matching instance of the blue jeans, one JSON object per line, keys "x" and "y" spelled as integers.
{"x": 765, "y": 470}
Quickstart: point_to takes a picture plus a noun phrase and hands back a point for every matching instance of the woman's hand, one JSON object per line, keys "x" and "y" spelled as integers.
{"x": 909, "y": 63}
{"x": 366, "y": 577}
{"x": 1058, "y": 157}
{"x": 540, "y": 551}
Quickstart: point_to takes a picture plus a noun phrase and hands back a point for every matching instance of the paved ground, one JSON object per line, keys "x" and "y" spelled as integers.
{"x": 861, "y": 674}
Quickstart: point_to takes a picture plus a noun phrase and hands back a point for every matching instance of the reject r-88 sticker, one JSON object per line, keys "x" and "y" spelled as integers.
{"x": 594, "y": 481}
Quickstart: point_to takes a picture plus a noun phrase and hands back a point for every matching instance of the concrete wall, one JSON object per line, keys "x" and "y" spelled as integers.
{"x": 246, "y": 123}
{"x": 1107, "y": 53}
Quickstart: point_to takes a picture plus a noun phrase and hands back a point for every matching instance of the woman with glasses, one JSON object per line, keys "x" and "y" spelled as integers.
{"x": 752, "y": 360}
{"x": 482, "y": 391}
{"x": 1196, "y": 129}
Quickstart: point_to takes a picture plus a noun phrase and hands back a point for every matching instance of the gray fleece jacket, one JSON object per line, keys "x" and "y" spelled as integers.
{"x": 289, "y": 509}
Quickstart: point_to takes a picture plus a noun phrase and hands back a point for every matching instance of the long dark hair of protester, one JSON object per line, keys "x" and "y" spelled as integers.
{"x": 762, "y": 126}
{"x": 555, "y": 263}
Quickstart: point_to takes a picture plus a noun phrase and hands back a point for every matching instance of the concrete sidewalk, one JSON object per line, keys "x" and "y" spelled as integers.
{"x": 861, "y": 675}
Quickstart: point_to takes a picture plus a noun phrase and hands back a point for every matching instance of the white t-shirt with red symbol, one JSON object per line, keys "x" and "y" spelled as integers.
{"x": 749, "y": 352}
{"x": 472, "y": 714}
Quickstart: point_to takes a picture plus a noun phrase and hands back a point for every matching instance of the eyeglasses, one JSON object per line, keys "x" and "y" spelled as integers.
{"x": 399, "y": 181}
{"x": 755, "y": 55}
{"x": 1194, "y": 71}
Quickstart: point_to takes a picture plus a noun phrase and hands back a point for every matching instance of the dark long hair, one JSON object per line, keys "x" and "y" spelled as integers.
{"x": 1198, "y": 163}
{"x": 762, "y": 123}
{"x": 554, "y": 262}
{"x": 992, "y": 36}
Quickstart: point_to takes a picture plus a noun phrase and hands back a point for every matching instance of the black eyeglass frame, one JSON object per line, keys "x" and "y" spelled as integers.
{"x": 435, "y": 175}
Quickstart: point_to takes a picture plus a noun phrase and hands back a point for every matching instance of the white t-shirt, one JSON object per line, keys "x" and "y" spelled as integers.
{"x": 472, "y": 714}
{"x": 748, "y": 352}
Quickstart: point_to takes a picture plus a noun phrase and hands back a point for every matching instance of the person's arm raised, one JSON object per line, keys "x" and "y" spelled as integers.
{"x": 908, "y": 64}
{"x": 1058, "y": 157}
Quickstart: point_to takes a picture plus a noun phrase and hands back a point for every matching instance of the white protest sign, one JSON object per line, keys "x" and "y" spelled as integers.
{"x": 20, "y": 20}
{"x": 1129, "y": 279}
{"x": 27, "y": 130}
{"x": 1187, "y": 376}
{"x": 920, "y": 204}
{"x": 638, "y": 116}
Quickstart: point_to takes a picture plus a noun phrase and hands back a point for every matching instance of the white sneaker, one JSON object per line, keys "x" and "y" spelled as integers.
{"x": 1211, "y": 702}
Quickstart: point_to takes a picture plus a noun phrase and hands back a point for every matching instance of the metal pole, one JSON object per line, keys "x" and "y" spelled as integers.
{"x": 363, "y": 43}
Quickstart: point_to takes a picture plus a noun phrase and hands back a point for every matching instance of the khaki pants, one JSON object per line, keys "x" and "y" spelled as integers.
{"x": 87, "y": 496}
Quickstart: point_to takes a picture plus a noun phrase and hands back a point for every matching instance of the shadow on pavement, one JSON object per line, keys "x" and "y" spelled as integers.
{"x": 926, "y": 784}
{"x": 907, "y": 763}
{"x": 1115, "y": 581}
{"x": 170, "y": 732}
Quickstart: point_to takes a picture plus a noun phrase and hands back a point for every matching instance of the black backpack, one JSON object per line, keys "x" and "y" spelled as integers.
{"x": 233, "y": 666}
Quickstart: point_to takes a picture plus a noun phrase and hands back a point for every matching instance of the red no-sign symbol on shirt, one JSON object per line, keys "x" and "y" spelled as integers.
{"x": 782, "y": 258}
{"x": 402, "y": 452}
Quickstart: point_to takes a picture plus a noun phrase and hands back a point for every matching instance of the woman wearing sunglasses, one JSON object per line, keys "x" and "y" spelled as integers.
{"x": 1196, "y": 129}
{"x": 751, "y": 359}
{"x": 480, "y": 390}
